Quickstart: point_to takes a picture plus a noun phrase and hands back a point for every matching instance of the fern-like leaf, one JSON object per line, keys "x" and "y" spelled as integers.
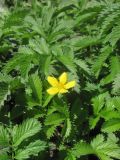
{"x": 116, "y": 85}
{"x": 114, "y": 70}
{"x": 32, "y": 149}
{"x": 27, "y": 129}
{"x": 36, "y": 86}
{"x": 112, "y": 125}
{"x": 54, "y": 119}
{"x": 97, "y": 66}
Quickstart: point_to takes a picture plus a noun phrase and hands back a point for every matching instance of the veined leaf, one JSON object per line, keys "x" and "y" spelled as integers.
{"x": 36, "y": 86}
{"x": 68, "y": 62}
{"x": 20, "y": 62}
{"x": 27, "y": 129}
{"x": 50, "y": 131}
{"x": 116, "y": 85}
{"x": 82, "y": 64}
{"x": 98, "y": 102}
{"x": 111, "y": 125}
{"x": 105, "y": 52}
{"x": 114, "y": 70}
{"x": 4, "y": 137}
{"x": 54, "y": 119}
{"x": 32, "y": 149}
{"x": 81, "y": 149}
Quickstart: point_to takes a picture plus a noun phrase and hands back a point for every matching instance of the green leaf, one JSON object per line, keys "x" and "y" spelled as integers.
{"x": 116, "y": 102}
{"x": 4, "y": 156}
{"x": 68, "y": 61}
{"x": 111, "y": 125}
{"x": 36, "y": 86}
{"x": 98, "y": 102}
{"x": 5, "y": 78}
{"x": 82, "y": 64}
{"x": 32, "y": 149}
{"x": 20, "y": 62}
{"x": 81, "y": 149}
{"x": 97, "y": 66}
{"x": 27, "y": 129}
{"x": 40, "y": 46}
{"x": 67, "y": 128}
{"x": 93, "y": 121}
{"x": 47, "y": 100}
{"x": 84, "y": 42}
{"x": 4, "y": 137}
{"x": 103, "y": 149}
{"x": 47, "y": 13}
{"x": 107, "y": 149}
{"x": 116, "y": 85}
{"x": 15, "y": 18}
{"x": 54, "y": 119}
{"x": 50, "y": 131}
{"x": 67, "y": 3}
{"x": 4, "y": 92}
{"x": 114, "y": 35}
{"x": 114, "y": 70}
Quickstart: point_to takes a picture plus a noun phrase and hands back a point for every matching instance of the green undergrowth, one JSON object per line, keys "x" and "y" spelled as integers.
{"x": 46, "y": 38}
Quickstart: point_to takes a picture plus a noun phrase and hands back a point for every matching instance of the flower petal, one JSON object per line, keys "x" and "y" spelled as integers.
{"x": 63, "y": 78}
{"x": 53, "y": 90}
{"x": 63, "y": 91}
{"x": 70, "y": 85}
{"x": 53, "y": 81}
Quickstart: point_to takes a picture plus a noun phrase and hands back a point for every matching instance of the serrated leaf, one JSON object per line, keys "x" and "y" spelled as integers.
{"x": 20, "y": 62}
{"x": 81, "y": 149}
{"x": 67, "y": 128}
{"x": 111, "y": 125}
{"x": 50, "y": 131}
{"x": 36, "y": 86}
{"x": 32, "y": 149}
{"x": 98, "y": 102}
{"x": 105, "y": 52}
{"x": 68, "y": 62}
{"x": 54, "y": 119}
{"x": 114, "y": 70}
{"x": 4, "y": 137}
{"x": 93, "y": 121}
{"x": 85, "y": 41}
{"x": 116, "y": 85}
{"x": 82, "y": 64}
{"x": 27, "y": 129}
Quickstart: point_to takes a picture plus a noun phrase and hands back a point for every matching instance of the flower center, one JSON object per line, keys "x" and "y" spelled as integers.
{"x": 60, "y": 86}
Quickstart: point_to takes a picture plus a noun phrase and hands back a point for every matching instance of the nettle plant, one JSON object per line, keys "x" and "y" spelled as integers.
{"x": 78, "y": 117}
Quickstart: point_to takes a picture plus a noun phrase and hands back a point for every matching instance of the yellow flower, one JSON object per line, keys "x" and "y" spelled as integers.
{"x": 60, "y": 85}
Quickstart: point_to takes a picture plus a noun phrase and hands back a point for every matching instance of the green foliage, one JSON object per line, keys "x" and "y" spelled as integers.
{"x": 101, "y": 59}
{"x": 32, "y": 149}
{"x": 24, "y": 131}
{"x": 4, "y": 88}
{"x": 41, "y": 38}
{"x": 103, "y": 149}
{"x": 111, "y": 125}
{"x": 4, "y": 137}
{"x": 36, "y": 86}
{"x": 11, "y": 138}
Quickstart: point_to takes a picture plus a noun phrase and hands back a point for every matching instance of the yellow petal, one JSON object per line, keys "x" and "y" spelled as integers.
{"x": 63, "y": 91}
{"x": 63, "y": 78}
{"x": 52, "y": 90}
{"x": 53, "y": 81}
{"x": 70, "y": 84}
